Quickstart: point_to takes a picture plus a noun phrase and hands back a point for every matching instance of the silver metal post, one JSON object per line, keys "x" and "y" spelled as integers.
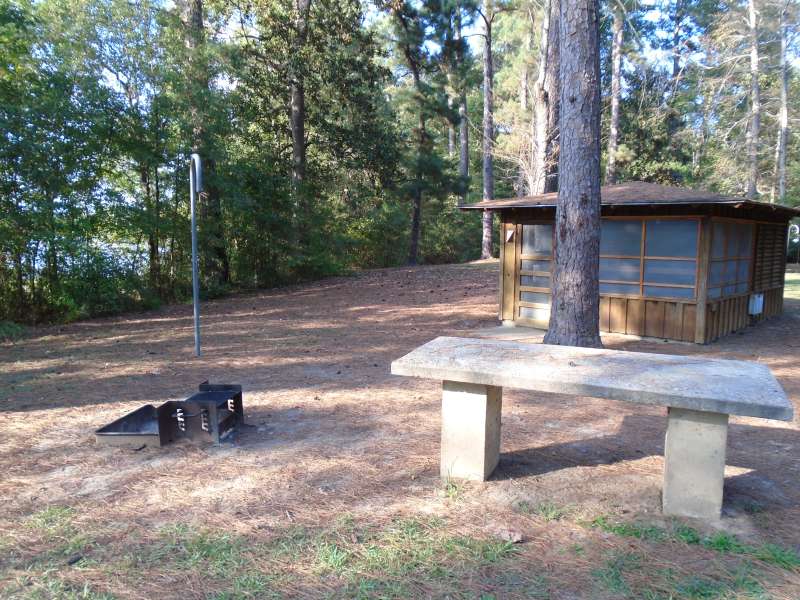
{"x": 195, "y": 187}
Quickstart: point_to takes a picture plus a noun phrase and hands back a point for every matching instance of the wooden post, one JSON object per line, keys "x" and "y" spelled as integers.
{"x": 703, "y": 265}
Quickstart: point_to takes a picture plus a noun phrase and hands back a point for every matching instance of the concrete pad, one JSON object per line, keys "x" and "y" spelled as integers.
{"x": 694, "y": 464}
{"x": 721, "y": 386}
{"x": 470, "y": 430}
{"x": 509, "y": 332}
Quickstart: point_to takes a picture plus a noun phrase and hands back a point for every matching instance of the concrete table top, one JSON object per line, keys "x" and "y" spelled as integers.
{"x": 724, "y": 386}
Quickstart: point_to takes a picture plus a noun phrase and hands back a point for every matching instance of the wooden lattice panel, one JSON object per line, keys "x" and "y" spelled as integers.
{"x": 770, "y": 259}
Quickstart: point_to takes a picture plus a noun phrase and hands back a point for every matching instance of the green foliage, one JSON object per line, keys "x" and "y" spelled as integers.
{"x": 102, "y": 101}
{"x": 10, "y": 331}
{"x": 722, "y": 541}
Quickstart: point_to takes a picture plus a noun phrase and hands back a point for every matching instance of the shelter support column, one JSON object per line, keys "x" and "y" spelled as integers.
{"x": 703, "y": 266}
{"x": 694, "y": 463}
{"x": 470, "y": 430}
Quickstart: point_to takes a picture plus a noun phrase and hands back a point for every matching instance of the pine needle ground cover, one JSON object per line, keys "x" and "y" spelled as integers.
{"x": 333, "y": 489}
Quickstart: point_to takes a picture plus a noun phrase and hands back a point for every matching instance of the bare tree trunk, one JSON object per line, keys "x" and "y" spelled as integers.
{"x": 616, "y": 75}
{"x": 463, "y": 123}
{"x": 755, "y": 104}
{"x": 575, "y": 311}
{"x": 544, "y": 151}
{"x": 451, "y": 132}
{"x": 463, "y": 145}
{"x": 523, "y": 176}
{"x": 488, "y": 130}
{"x": 297, "y": 108}
{"x": 154, "y": 264}
{"x": 213, "y": 253}
{"x": 416, "y": 211}
{"x": 779, "y": 178}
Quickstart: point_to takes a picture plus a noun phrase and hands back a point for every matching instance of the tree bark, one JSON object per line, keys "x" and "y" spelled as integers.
{"x": 416, "y": 210}
{"x": 213, "y": 253}
{"x": 422, "y": 139}
{"x": 463, "y": 124}
{"x": 451, "y": 132}
{"x": 779, "y": 178}
{"x": 488, "y": 130}
{"x": 297, "y": 107}
{"x": 523, "y": 177}
{"x": 755, "y": 104}
{"x": 575, "y": 313}
{"x": 616, "y": 76}
{"x": 544, "y": 151}
{"x": 154, "y": 262}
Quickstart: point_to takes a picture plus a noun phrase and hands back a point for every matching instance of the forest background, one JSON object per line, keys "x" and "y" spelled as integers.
{"x": 339, "y": 135}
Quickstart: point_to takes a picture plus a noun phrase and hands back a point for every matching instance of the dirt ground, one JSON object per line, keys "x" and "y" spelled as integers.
{"x": 332, "y": 490}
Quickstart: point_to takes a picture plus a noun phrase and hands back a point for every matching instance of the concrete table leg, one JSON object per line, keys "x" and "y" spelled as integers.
{"x": 470, "y": 430}
{"x": 694, "y": 463}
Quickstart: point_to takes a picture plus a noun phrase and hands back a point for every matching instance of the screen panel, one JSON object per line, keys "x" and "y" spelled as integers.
{"x": 535, "y": 314}
{"x": 674, "y": 237}
{"x": 537, "y": 239}
{"x": 534, "y": 281}
{"x": 668, "y": 292}
{"x": 620, "y": 269}
{"x": 674, "y": 272}
{"x": 535, "y": 265}
{"x": 620, "y": 238}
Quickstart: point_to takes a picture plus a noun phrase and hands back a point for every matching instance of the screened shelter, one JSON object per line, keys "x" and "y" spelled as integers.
{"x": 674, "y": 263}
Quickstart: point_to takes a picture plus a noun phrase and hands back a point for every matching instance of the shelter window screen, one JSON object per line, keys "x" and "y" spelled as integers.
{"x": 731, "y": 259}
{"x": 649, "y": 258}
{"x": 535, "y": 270}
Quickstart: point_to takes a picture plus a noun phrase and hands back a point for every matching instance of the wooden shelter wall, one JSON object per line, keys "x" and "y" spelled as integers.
{"x": 669, "y": 319}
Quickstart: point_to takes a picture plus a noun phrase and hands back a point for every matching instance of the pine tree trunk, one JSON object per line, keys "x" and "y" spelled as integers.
{"x": 779, "y": 178}
{"x": 616, "y": 75}
{"x": 451, "y": 132}
{"x": 523, "y": 177}
{"x": 297, "y": 108}
{"x": 488, "y": 132}
{"x": 544, "y": 151}
{"x": 463, "y": 124}
{"x": 755, "y": 104}
{"x": 213, "y": 253}
{"x": 575, "y": 312}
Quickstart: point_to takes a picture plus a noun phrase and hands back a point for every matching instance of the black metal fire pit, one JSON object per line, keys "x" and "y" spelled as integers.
{"x": 212, "y": 414}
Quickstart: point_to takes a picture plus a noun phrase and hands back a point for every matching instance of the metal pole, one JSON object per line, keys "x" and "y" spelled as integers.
{"x": 195, "y": 187}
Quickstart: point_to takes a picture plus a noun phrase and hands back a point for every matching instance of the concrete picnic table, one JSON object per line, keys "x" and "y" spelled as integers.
{"x": 699, "y": 393}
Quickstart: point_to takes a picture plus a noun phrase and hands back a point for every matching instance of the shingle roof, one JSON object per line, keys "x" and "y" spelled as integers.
{"x": 635, "y": 193}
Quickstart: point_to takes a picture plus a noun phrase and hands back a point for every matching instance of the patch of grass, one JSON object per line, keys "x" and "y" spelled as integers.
{"x": 407, "y": 548}
{"x": 548, "y": 511}
{"x": 785, "y": 558}
{"x": 612, "y": 575}
{"x": 249, "y": 585}
{"x": 48, "y": 586}
{"x": 722, "y": 542}
{"x": 291, "y": 545}
{"x": 686, "y": 534}
{"x": 363, "y": 588}
{"x": 332, "y": 557}
{"x": 451, "y": 489}
{"x": 10, "y": 331}
{"x": 216, "y": 553}
{"x": 53, "y": 519}
{"x": 641, "y": 531}
{"x": 55, "y": 524}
